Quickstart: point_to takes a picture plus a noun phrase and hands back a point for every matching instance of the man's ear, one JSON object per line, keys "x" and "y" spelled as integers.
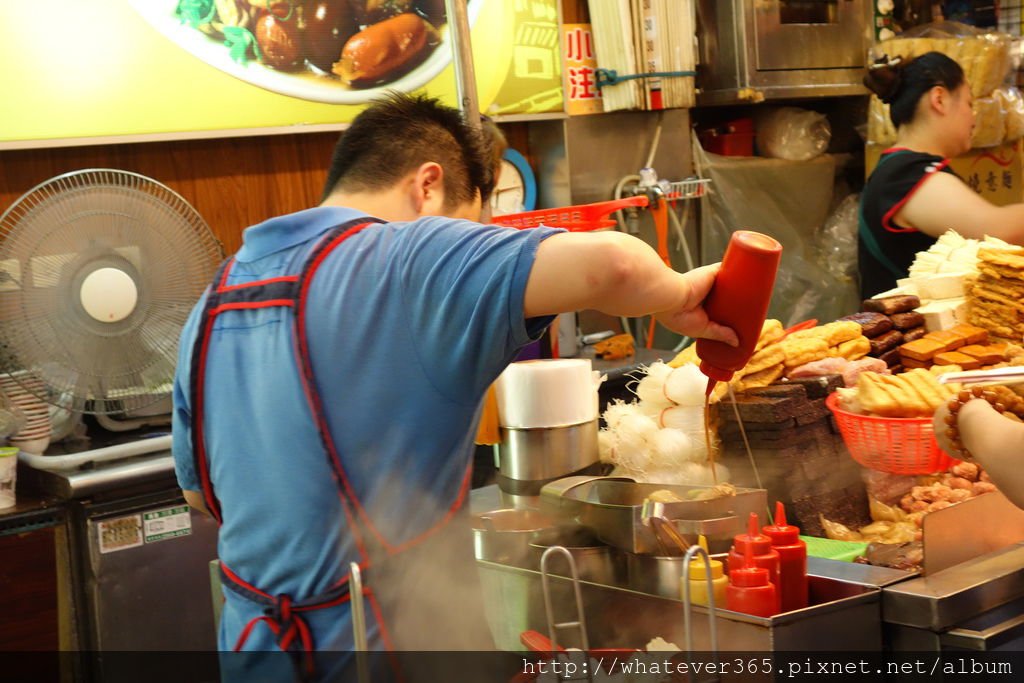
{"x": 428, "y": 186}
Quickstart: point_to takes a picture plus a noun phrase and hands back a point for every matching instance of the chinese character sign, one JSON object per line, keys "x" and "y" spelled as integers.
{"x": 582, "y": 93}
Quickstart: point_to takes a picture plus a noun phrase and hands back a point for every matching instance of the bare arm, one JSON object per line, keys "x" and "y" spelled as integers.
{"x": 195, "y": 499}
{"x": 995, "y": 442}
{"x": 619, "y": 275}
{"x": 944, "y": 202}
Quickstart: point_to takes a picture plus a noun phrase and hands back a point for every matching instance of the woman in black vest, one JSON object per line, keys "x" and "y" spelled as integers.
{"x": 912, "y": 197}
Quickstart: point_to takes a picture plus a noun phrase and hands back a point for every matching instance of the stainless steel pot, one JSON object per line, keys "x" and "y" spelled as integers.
{"x": 530, "y": 458}
{"x": 655, "y": 575}
{"x": 614, "y": 508}
{"x": 504, "y": 536}
{"x": 595, "y": 561}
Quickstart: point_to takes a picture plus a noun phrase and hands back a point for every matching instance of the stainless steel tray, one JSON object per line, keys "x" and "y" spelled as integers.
{"x": 611, "y": 508}
{"x": 843, "y": 616}
{"x": 948, "y": 598}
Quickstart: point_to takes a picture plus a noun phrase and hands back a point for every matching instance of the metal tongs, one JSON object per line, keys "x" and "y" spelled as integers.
{"x": 1011, "y": 375}
{"x": 671, "y": 542}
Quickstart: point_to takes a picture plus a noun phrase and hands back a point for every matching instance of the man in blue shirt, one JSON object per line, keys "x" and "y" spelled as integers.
{"x": 329, "y": 381}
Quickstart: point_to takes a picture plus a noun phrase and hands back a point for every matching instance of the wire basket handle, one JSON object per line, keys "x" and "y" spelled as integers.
{"x": 360, "y": 640}
{"x": 688, "y": 603}
{"x": 553, "y": 627}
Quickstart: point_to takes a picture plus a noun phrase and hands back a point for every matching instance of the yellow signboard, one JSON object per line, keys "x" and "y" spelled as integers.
{"x": 582, "y": 95}
{"x": 77, "y": 69}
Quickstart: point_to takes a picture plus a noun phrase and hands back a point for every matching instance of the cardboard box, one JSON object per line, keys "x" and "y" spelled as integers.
{"x": 995, "y": 173}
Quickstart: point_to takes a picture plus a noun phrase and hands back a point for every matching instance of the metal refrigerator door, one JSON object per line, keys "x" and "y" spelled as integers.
{"x": 148, "y": 583}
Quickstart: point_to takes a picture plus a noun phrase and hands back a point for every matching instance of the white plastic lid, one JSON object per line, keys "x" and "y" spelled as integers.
{"x": 547, "y": 393}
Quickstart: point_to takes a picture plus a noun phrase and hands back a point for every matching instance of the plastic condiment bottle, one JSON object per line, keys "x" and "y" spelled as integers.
{"x": 749, "y": 590}
{"x": 760, "y": 547}
{"x": 699, "y": 582}
{"x": 792, "y": 560}
{"x": 739, "y": 299}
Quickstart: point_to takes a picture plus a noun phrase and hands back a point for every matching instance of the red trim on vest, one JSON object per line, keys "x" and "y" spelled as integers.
{"x": 313, "y": 396}
{"x": 246, "y": 305}
{"x": 212, "y": 504}
{"x": 242, "y": 582}
{"x": 318, "y": 414}
{"x": 297, "y": 626}
{"x": 891, "y": 213}
{"x": 378, "y": 614}
{"x": 257, "y": 283}
{"x": 224, "y": 276}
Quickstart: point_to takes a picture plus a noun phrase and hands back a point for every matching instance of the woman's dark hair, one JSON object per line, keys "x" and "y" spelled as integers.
{"x": 398, "y": 133}
{"x": 901, "y": 83}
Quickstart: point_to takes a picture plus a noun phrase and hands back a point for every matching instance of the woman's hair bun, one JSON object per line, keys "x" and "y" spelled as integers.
{"x": 884, "y": 77}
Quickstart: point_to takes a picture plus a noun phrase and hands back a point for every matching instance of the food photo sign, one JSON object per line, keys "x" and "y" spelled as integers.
{"x": 78, "y": 71}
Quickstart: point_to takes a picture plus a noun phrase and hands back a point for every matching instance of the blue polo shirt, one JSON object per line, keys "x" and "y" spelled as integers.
{"x": 408, "y": 324}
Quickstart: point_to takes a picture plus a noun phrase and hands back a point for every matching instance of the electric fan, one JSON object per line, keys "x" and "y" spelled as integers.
{"x": 98, "y": 271}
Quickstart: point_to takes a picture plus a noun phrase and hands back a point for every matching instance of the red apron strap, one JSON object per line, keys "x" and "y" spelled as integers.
{"x": 281, "y": 614}
{"x": 361, "y": 518}
{"x": 274, "y": 292}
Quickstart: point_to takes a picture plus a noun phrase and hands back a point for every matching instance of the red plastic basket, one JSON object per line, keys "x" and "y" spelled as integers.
{"x": 574, "y": 218}
{"x": 895, "y": 445}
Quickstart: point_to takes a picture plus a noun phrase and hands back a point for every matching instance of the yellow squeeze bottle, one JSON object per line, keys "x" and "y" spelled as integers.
{"x": 699, "y": 583}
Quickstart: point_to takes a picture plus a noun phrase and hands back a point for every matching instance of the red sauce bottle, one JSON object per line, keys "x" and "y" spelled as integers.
{"x": 749, "y": 590}
{"x": 739, "y": 299}
{"x": 761, "y": 551}
{"x": 792, "y": 560}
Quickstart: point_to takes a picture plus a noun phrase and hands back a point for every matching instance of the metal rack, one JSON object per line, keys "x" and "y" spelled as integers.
{"x": 690, "y": 188}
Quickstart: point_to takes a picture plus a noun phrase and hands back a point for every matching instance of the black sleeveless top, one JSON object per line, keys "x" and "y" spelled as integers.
{"x": 887, "y": 249}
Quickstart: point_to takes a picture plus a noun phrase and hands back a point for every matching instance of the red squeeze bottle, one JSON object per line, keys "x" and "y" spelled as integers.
{"x": 739, "y": 299}
{"x": 760, "y": 547}
{"x": 792, "y": 560}
{"x": 749, "y": 590}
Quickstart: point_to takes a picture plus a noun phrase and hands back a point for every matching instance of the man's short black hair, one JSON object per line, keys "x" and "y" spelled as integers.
{"x": 395, "y": 135}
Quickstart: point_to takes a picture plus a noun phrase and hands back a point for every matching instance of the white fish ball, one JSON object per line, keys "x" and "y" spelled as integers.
{"x": 688, "y": 419}
{"x": 686, "y": 385}
{"x": 651, "y": 391}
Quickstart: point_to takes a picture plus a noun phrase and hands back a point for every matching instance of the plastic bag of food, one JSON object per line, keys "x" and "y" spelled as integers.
{"x": 792, "y": 133}
{"x": 880, "y": 512}
{"x": 991, "y": 126}
{"x": 837, "y": 242}
{"x": 1013, "y": 113}
{"x": 837, "y": 531}
{"x": 984, "y": 56}
{"x": 788, "y": 200}
{"x": 989, "y": 122}
{"x": 877, "y": 530}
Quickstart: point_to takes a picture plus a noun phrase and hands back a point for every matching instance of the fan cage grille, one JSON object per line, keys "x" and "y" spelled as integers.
{"x": 78, "y": 221}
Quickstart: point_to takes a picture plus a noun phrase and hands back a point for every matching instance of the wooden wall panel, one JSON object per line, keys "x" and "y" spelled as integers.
{"x": 233, "y": 182}
{"x": 28, "y": 592}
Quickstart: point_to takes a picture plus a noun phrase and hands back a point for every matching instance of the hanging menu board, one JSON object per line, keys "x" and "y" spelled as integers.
{"x": 76, "y": 71}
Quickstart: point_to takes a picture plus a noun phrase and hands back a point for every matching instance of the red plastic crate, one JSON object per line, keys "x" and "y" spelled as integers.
{"x": 575, "y": 218}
